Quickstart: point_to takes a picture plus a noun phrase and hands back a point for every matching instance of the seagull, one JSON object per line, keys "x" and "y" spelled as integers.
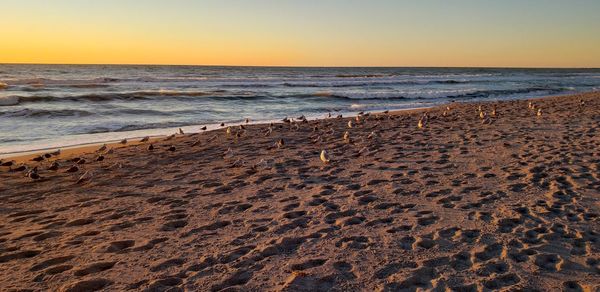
{"x": 286, "y": 120}
{"x": 32, "y": 174}
{"x": 21, "y": 167}
{"x": 7, "y": 163}
{"x": 103, "y": 148}
{"x": 247, "y": 120}
{"x": 150, "y": 147}
{"x": 386, "y": 112}
{"x": 55, "y": 153}
{"x": 203, "y": 128}
{"x": 350, "y": 124}
{"x": 53, "y": 166}
{"x": 242, "y": 127}
{"x": 347, "y": 136}
{"x": 222, "y": 124}
{"x": 145, "y": 139}
{"x": 421, "y": 123}
{"x": 539, "y": 112}
{"x": 47, "y": 155}
{"x": 181, "y": 131}
{"x": 86, "y": 176}
{"x": 445, "y": 113}
{"x": 482, "y": 115}
{"x": 268, "y": 131}
{"x": 280, "y": 143}
{"x": 339, "y": 116}
{"x": 38, "y": 158}
{"x": 324, "y": 157}
{"x": 100, "y": 158}
{"x": 329, "y": 115}
{"x": 171, "y": 148}
{"x": 124, "y": 141}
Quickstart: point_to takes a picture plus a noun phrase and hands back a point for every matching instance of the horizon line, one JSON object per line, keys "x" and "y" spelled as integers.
{"x": 288, "y": 66}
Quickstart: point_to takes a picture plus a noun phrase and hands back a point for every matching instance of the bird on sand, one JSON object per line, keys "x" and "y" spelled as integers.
{"x": 32, "y": 174}
{"x": 54, "y": 166}
{"x": 280, "y": 143}
{"x": 38, "y": 158}
{"x": 55, "y": 153}
{"x": 339, "y": 116}
{"x": 73, "y": 168}
{"x": 150, "y": 147}
{"x": 421, "y": 123}
{"x": 110, "y": 151}
{"x": 7, "y": 163}
{"x": 145, "y": 139}
{"x": 102, "y": 148}
{"x": 181, "y": 131}
{"x": 247, "y": 120}
{"x": 482, "y": 115}
{"x": 222, "y": 124}
{"x": 286, "y": 120}
{"x": 493, "y": 113}
{"x": 171, "y": 148}
{"x": 100, "y": 158}
{"x": 124, "y": 141}
{"x": 539, "y": 112}
{"x": 85, "y": 177}
{"x": 347, "y": 136}
{"x": 386, "y": 112}
{"x": 203, "y": 128}
{"x": 228, "y": 131}
{"x": 21, "y": 167}
{"x": 350, "y": 125}
{"x": 324, "y": 156}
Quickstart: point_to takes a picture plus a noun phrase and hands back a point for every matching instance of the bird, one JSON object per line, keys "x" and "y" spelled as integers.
{"x": 81, "y": 161}
{"x": 145, "y": 139}
{"x": 539, "y": 112}
{"x": 421, "y": 123}
{"x": 171, "y": 148}
{"x": 482, "y": 115}
{"x": 350, "y": 124}
{"x": 32, "y": 174}
{"x": 21, "y": 167}
{"x": 73, "y": 168}
{"x": 54, "y": 166}
{"x": 339, "y": 116}
{"x": 124, "y": 141}
{"x": 222, "y": 124}
{"x": 242, "y": 127}
{"x": 347, "y": 136}
{"x": 247, "y": 120}
{"x": 7, "y": 163}
{"x": 85, "y": 177}
{"x": 100, "y": 158}
{"x": 324, "y": 156}
{"x": 286, "y": 120}
{"x": 280, "y": 143}
{"x": 386, "y": 112}
{"x": 150, "y": 147}
{"x": 103, "y": 148}
{"x": 181, "y": 131}
{"x": 55, "y": 153}
{"x": 268, "y": 131}
{"x": 329, "y": 115}
{"x": 228, "y": 131}
{"x": 47, "y": 155}
{"x": 203, "y": 128}
{"x": 445, "y": 113}
{"x": 493, "y": 114}
{"x": 38, "y": 158}
{"x": 110, "y": 151}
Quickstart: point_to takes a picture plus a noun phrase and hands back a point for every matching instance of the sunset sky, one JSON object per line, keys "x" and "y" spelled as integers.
{"x": 507, "y": 33}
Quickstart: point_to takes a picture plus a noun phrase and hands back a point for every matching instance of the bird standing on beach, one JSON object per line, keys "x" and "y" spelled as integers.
{"x": 228, "y": 131}
{"x": 145, "y": 139}
{"x": 124, "y": 141}
{"x": 181, "y": 132}
{"x": 150, "y": 147}
{"x": 203, "y": 128}
{"x": 539, "y": 112}
{"x": 324, "y": 156}
{"x": 421, "y": 123}
{"x": 102, "y": 148}
{"x": 482, "y": 115}
{"x": 350, "y": 125}
{"x": 493, "y": 114}
{"x": 32, "y": 174}
{"x": 54, "y": 166}
{"x": 347, "y": 136}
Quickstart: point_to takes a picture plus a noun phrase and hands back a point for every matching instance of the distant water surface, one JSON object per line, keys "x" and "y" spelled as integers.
{"x": 44, "y": 106}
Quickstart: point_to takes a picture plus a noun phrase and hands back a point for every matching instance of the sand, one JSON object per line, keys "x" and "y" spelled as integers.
{"x": 509, "y": 203}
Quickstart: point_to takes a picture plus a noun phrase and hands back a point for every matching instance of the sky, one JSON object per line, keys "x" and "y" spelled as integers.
{"x": 436, "y": 33}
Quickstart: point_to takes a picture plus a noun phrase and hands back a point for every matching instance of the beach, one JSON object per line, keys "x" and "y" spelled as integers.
{"x": 469, "y": 201}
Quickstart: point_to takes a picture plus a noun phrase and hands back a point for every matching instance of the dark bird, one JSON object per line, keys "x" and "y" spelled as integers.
{"x": 150, "y": 147}
{"x": 7, "y": 163}
{"x": 222, "y": 124}
{"x": 38, "y": 158}
{"x": 21, "y": 167}
{"x": 33, "y": 175}
{"x": 171, "y": 148}
{"x": 124, "y": 141}
{"x": 73, "y": 168}
{"x": 203, "y": 128}
{"x": 81, "y": 161}
{"x": 47, "y": 155}
{"x": 53, "y": 166}
{"x": 145, "y": 139}
{"x": 100, "y": 158}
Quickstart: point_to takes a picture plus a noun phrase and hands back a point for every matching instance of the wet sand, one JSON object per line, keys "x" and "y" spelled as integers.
{"x": 507, "y": 203}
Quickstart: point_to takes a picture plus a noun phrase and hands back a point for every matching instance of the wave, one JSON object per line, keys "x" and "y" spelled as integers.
{"x": 99, "y": 97}
{"x": 75, "y": 83}
{"x": 40, "y": 113}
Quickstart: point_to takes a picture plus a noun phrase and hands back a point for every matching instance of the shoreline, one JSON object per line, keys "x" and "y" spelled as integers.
{"x": 22, "y": 156}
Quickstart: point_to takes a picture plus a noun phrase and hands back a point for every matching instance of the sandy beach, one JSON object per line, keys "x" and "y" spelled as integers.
{"x": 470, "y": 201}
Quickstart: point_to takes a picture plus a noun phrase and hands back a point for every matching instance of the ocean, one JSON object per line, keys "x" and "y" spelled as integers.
{"x": 49, "y": 106}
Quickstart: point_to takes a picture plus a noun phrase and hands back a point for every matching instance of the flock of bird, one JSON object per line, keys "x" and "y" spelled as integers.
{"x": 325, "y": 157}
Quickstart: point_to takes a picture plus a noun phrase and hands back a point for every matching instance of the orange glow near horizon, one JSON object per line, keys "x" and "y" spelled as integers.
{"x": 287, "y": 33}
